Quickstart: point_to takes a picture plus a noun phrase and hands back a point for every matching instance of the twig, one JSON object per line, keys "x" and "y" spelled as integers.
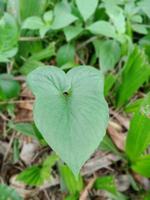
{"x": 16, "y": 102}
{"x": 87, "y": 42}
{"x": 118, "y": 139}
{"x": 20, "y": 78}
{"x": 84, "y": 194}
{"x": 30, "y": 39}
{"x": 9, "y": 146}
{"x": 46, "y": 194}
{"x": 123, "y": 121}
{"x": 4, "y": 117}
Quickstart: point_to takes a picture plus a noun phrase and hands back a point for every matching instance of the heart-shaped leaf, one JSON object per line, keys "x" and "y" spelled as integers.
{"x": 70, "y": 111}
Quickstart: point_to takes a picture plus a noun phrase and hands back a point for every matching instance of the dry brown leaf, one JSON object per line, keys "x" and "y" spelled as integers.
{"x": 118, "y": 138}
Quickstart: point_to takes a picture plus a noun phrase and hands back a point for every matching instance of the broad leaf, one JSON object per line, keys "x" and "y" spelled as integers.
{"x": 135, "y": 72}
{"x": 142, "y": 166}
{"x": 62, "y": 16}
{"x": 145, "y": 6}
{"x": 74, "y": 110}
{"x": 86, "y": 7}
{"x": 33, "y": 61}
{"x": 28, "y": 129}
{"x": 8, "y": 37}
{"x": 7, "y": 192}
{"x": 9, "y": 88}
{"x": 140, "y": 28}
{"x": 13, "y": 7}
{"x": 30, "y": 8}
{"x": 116, "y": 15}
{"x": 33, "y": 23}
{"x": 139, "y": 131}
{"x": 72, "y": 31}
{"x": 65, "y": 54}
{"x": 109, "y": 54}
{"x": 102, "y": 28}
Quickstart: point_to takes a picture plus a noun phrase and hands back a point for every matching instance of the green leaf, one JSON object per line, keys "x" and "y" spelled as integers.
{"x": 36, "y": 175}
{"x": 139, "y": 132}
{"x": 30, "y": 65}
{"x": 14, "y": 9}
{"x": 9, "y": 88}
{"x": 108, "y": 145}
{"x": 32, "y": 23}
{"x": 106, "y": 183}
{"x": 133, "y": 106}
{"x": 140, "y": 28}
{"x": 65, "y": 54}
{"x": 135, "y": 72}
{"x": 28, "y": 129}
{"x": 74, "y": 110}
{"x": 33, "y": 61}
{"x": 145, "y": 6}
{"x": 30, "y": 8}
{"x": 118, "y": 196}
{"x": 62, "y": 16}
{"x": 72, "y": 31}
{"x": 87, "y": 7}
{"x": 142, "y": 166}
{"x": 109, "y": 54}
{"x": 8, "y": 37}
{"x": 116, "y": 15}
{"x": 48, "y": 17}
{"x": 8, "y": 193}
{"x": 110, "y": 79}
{"x": 71, "y": 197}
{"x": 102, "y": 28}
{"x": 146, "y": 196}
{"x": 73, "y": 184}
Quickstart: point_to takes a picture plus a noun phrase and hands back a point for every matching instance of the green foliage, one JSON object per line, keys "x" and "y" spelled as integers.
{"x": 139, "y": 132}
{"x": 141, "y": 165}
{"x": 32, "y": 23}
{"x": 8, "y": 193}
{"x": 31, "y": 8}
{"x": 9, "y": 88}
{"x": 117, "y": 16}
{"x": 109, "y": 54}
{"x": 8, "y": 38}
{"x": 60, "y": 22}
{"x": 72, "y": 32}
{"x": 70, "y": 99}
{"x": 108, "y": 145}
{"x": 106, "y": 183}
{"x": 110, "y": 80}
{"x": 74, "y": 185}
{"x": 28, "y": 129}
{"x": 33, "y": 61}
{"x": 65, "y": 54}
{"x": 70, "y": 112}
{"x": 102, "y": 28}
{"x": 86, "y": 7}
{"x": 135, "y": 71}
{"x": 36, "y": 175}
